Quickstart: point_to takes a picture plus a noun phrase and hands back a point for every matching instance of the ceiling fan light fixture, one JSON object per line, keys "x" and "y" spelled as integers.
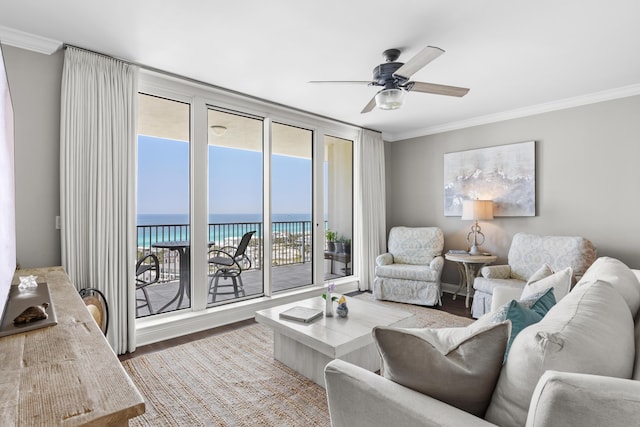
{"x": 390, "y": 99}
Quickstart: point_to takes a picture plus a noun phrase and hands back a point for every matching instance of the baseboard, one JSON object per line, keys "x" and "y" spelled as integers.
{"x": 450, "y": 288}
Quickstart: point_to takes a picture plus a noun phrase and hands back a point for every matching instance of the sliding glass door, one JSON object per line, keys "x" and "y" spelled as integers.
{"x": 163, "y": 230}
{"x": 235, "y": 226}
{"x": 338, "y": 207}
{"x": 291, "y": 207}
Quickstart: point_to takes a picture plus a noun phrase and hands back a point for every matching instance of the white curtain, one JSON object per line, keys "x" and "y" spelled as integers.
{"x": 97, "y": 183}
{"x": 371, "y": 209}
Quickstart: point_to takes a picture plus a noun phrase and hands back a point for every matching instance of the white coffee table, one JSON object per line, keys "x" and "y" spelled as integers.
{"x": 308, "y": 347}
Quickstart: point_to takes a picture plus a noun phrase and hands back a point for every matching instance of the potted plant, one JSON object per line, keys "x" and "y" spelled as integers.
{"x": 331, "y": 239}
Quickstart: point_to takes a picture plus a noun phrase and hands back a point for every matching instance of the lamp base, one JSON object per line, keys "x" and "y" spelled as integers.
{"x": 475, "y": 238}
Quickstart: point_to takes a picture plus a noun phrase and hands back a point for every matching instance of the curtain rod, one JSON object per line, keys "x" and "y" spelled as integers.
{"x": 230, "y": 91}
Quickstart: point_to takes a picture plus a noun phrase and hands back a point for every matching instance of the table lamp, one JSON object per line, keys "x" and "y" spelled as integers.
{"x": 476, "y": 210}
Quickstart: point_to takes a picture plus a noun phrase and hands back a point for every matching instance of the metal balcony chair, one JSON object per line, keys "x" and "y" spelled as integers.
{"x": 145, "y": 267}
{"x": 229, "y": 262}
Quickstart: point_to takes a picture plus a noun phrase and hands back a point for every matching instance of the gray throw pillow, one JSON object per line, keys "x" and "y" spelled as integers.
{"x": 459, "y": 366}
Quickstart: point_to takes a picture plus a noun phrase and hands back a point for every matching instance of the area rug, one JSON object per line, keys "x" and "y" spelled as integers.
{"x": 231, "y": 379}
{"x": 426, "y": 317}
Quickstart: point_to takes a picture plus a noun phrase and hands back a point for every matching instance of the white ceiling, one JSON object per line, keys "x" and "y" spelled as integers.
{"x": 517, "y": 57}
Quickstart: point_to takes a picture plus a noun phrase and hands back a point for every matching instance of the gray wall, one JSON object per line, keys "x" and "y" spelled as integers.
{"x": 587, "y": 179}
{"x": 34, "y": 82}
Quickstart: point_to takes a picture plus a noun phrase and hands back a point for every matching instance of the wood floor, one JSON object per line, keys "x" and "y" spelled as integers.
{"x": 448, "y": 305}
{"x": 455, "y": 306}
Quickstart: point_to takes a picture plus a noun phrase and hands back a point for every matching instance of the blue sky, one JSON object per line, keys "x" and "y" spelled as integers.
{"x": 235, "y": 180}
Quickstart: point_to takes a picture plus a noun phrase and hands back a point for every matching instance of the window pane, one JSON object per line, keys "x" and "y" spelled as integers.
{"x": 235, "y": 207}
{"x": 163, "y": 206}
{"x": 338, "y": 206}
{"x": 291, "y": 206}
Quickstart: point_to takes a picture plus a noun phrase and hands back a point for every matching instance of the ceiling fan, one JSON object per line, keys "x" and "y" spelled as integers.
{"x": 394, "y": 77}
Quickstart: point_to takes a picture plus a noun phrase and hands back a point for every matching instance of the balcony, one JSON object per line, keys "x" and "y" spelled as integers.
{"x": 291, "y": 259}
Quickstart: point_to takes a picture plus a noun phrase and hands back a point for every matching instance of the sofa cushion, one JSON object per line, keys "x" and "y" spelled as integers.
{"x": 408, "y": 272}
{"x": 589, "y": 331}
{"x": 636, "y": 364}
{"x": 619, "y": 276}
{"x": 560, "y": 282}
{"x": 458, "y": 366}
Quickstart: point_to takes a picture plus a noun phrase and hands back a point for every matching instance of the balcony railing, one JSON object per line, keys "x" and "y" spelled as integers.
{"x": 291, "y": 253}
{"x": 291, "y": 243}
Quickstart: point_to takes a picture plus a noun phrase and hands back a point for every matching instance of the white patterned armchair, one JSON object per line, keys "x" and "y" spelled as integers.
{"x": 410, "y": 272}
{"x": 527, "y": 254}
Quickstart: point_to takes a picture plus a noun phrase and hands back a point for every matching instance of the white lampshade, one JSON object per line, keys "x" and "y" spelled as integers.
{"x": 477, "y": 210}
{"x": 390, "y": 99}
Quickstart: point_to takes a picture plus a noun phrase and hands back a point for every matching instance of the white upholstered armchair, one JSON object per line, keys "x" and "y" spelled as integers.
{"x": 527, "y": 254}
{"x": 411, "y": 269}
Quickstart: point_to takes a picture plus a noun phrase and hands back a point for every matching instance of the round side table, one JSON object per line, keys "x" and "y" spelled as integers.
{"x": 468, "y": 267}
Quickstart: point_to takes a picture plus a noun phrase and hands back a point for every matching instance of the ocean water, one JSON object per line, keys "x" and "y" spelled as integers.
{"x": 223, "y": 228}
{"x": 183, "y": 219}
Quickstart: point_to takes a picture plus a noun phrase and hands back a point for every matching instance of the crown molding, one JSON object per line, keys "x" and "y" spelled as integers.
{"x": 17, "y": 38}
{"x": 561, "y": 104}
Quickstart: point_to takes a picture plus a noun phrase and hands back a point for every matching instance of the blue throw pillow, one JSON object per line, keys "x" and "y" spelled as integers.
{"x": 544, "y": 303}
{"x": 522, "y": 314}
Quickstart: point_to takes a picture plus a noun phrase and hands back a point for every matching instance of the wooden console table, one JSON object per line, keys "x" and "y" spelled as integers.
{"x": 66, "y": 374}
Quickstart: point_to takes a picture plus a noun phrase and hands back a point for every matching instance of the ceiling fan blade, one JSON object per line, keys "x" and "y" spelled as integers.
{"x": 342, "y": 81}
{"x": 437, "y": 89}
{"x": 425, "y": 56}
{"x": 369, "y": 106}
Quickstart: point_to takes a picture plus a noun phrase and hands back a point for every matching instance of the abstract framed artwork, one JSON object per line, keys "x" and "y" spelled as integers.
{"x": 505, "y": 174}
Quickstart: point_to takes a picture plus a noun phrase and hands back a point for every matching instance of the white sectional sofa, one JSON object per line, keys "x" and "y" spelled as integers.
{"x": 579, "y": 365}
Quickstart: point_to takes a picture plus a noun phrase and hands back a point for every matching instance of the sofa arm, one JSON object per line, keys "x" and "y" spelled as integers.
{"x": 564, "y": 398}
{"x": 384, "y": 259}
{"x": 496, "y": 272}
{"x": 502, "y": 295}
{"x": 358, "y": 397}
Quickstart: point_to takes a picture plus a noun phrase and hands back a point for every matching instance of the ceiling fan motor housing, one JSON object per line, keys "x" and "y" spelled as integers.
{"x": 383, "y": 75}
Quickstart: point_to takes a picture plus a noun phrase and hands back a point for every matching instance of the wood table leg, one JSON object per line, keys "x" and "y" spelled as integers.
{"x": 469, "y": 275}
{"x": 463, "y": 279}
